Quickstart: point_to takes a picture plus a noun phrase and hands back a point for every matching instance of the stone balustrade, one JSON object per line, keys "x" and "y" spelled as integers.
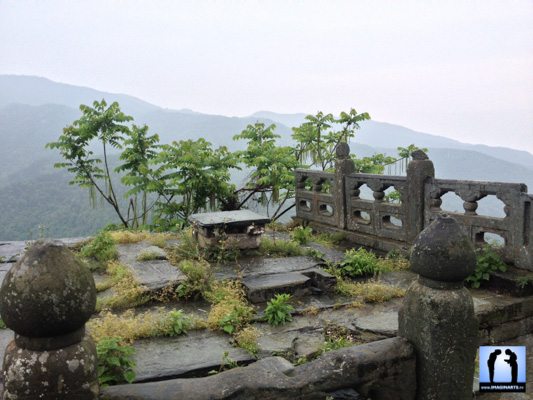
{"x": 333, "y": 202}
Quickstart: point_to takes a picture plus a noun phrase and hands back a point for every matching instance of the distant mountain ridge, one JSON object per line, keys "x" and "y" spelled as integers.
{"x": 33, "y": 112}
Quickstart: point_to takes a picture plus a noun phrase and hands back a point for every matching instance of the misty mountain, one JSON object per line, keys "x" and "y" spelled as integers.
{"x": 375, "y": 134}
{"x": 33, "y": 112}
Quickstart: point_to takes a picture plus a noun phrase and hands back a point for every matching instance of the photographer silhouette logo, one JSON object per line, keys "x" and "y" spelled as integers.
{"x": 502, "y": 368}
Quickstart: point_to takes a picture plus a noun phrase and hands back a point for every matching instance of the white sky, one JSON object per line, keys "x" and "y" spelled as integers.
{"x": 461, "y": 69}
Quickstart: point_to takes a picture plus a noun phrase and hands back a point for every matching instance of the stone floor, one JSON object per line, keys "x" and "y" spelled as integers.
{"x": 502, "y": 318}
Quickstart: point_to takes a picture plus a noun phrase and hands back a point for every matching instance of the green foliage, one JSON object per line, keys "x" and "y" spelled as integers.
{"x": 302, "y": 234}
{"x": 278, "y": 310}
{"x": 193, "y": 172}
{"x": 316, "y": 141}
{"x": 487, "y": 262}
{"x": 272, "y": 176}
{"x": 359, "y": 262}
{"x": 106, "y": 125}
{"x": 2, "y": 324}
{"x": 140, "y": 150}
{"x": 199, "y": 278}
{"x": 279, "y": 248}
{"x": 102, "y": 248}
{"x": 115, "y": 363}
{"x": 179, "y": 322}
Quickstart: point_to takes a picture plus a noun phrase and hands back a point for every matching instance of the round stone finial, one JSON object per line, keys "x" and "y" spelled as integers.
{"x": 419, "y": 155}
{"x": 343, "y": 150}
{"x": 442, "y": 252}
{"x": 48, "y": 292}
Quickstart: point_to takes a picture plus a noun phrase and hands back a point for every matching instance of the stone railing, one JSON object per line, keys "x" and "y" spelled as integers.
{"x": 332, "y": 201}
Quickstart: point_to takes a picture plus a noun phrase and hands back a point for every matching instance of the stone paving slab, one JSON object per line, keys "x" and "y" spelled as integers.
{"x": 194, "y": 354}
{"x": 153, "y": 274}
{"x": 255, "y": 266}
{"x": 263, "y": 287}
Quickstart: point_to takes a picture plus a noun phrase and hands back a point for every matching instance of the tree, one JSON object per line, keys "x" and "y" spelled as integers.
{"x": 316, "y": 141}
{"x": 106, "y": 125}
{"x": 272, "y": 167}
{"x": 140, "y": 150}
{"x": 190, "y": 176}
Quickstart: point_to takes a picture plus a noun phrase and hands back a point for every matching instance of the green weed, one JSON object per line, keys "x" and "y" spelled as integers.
{"x": 278, "y": 310}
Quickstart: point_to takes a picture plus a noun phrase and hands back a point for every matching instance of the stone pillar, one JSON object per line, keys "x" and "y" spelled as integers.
{"x": 344, "y": 165}
{"x": 46, "y": 298}
{"x": 418, "y": 171}
{"x": 437, "y": 315}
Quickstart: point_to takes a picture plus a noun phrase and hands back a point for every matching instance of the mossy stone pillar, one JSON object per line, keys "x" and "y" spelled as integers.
{"x": 419, "y": 171}
{"x": 437, "y": 315}
{"x": 344, "y": 166}
{"x": 46, "y": 298}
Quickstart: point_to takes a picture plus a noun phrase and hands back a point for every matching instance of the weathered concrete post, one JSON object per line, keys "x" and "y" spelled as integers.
{"x": 344, "y": 165}
{"x": 437, "y": 315}
{"x": 46, "y": 298}
{"x": 418, "y": 171}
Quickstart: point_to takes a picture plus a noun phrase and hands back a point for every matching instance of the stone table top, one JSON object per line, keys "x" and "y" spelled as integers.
{"x": 238, "y": 217}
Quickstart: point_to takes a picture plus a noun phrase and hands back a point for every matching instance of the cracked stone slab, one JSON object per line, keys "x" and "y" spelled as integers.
{"x": 193, "y": 354}
{"x": 263, "y": 287}
{"x": 385, "y": 322}
{"x": 255, "y": 266}
{"x": 153, "y": 274}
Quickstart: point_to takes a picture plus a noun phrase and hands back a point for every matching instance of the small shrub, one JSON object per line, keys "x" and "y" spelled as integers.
{"x": 302, "y": 235}
{"x": 179, "y": 322}
{"x": 487, "y": 262}
{"x": 523, "y": 281}
{"x": 280, "y": 248}
{"x": 102, "y": 248}
{"x": 278, "y": 310}
{"x": 2, "y": 324}
{"x": 359, "y": 263}
{"x": 230, "y": 311}
{"x": 337, "y": 337}
{"x": 247, "y": 339}
{"x": 394, "y": 261}
{"x": 187, "y": 248}
{"x": 199, "y": 277}
{"x": 115, "y": 363}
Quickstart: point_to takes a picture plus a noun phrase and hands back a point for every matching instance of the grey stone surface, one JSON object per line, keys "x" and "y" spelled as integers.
{"x": 264, "y": 287}
{"x": 437, "y": 315}
{"x": 153, "y": 274}
{"x": 63, "y": 374}
{"x": 47, "y": 284}
{"x": 442, "y": 252}
{"x": 383, "y": 370}
{"x": 228, "y": 218}
{"x": 10, "y": 252}
{"x": 193, "y": 354}
{"x": 420, "y": 203}
{"x": 255, "y": 266}
{"x": 154, "y": 252}
{"x": 385, "y": 323}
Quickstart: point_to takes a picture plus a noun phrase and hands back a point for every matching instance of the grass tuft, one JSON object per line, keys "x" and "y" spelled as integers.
{"x": 369, "y": 292}
{"x": 125, "y": 237}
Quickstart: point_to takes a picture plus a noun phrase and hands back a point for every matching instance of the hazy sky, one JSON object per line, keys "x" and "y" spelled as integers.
{"x": 462, "y": 69}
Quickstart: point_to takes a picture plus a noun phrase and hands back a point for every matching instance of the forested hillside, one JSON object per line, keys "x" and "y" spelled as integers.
{"x": 35, "y": 198}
